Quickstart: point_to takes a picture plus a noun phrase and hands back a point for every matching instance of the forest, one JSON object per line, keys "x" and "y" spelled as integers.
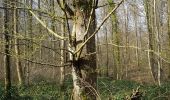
{"x": 84, "y": 49}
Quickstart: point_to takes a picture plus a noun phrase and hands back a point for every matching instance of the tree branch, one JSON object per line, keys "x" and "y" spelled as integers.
{"x": 45, "y": 26}
{"x": 65, "y": 7}
{"x": 36, "y": 62}
{"x": 104, "y": 20}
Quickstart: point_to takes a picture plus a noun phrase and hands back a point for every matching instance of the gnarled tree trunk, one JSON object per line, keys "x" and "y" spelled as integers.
{"x": 84, "y": 61}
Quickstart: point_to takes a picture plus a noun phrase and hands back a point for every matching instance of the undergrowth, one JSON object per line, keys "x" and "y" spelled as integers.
{"x": 108, "y": 90}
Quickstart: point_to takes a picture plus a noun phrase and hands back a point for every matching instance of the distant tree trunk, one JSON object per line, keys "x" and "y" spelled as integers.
{"x": 52, "y": 10}
{"x": 39, "y": 27}
{"x": 7, "y": 61}
{"x": 107, "y": 54}
{"x": 29, "y": 45}
{"x": 127, "y": 61}
{"x": 99, "y": 55}
{"x": 62, "y": 46}
{"x": 17, "y": 51}
{"x": 169, "y": 34}
{"x": 84, "y": 63}
{"x": 157, "y": 32}
{"x": 25, "y": 46}
{"x": 107, "y": 49}
{"x": 136, "y": 32}
{"x": 115, "y": 37}
{"x": 151, "y": 43}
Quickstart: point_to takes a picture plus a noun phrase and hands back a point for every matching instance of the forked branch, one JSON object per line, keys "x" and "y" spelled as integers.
{"x": 104, "y": 20}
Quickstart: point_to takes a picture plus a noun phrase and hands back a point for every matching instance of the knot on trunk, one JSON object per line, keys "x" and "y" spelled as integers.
{"x": 82, "y": 62}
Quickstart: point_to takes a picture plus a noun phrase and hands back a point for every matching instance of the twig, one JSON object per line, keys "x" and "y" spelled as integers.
{"x": 40, "y": 63}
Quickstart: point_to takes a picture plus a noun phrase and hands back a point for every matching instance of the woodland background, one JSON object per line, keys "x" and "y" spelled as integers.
{"x": 132, "y": 49}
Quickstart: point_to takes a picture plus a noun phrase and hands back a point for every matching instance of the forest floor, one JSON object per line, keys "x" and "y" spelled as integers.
{"x": 108, "y": 90}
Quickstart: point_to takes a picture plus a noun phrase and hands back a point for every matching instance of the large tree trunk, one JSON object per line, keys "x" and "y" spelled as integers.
{"x": 84, "y": 62}
{"x": 7, "y": 60}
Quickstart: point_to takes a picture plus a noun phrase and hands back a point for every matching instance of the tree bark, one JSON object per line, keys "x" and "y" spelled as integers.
{"x": 84, "y": 62}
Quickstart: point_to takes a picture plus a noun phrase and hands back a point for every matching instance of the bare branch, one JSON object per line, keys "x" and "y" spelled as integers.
{"x": 65, "y": 7}
{"x": 104, "y": 20}
{"x": 134, "y": 47}
{"x": 36, "y": 62}
{"x": 45, "y": 26}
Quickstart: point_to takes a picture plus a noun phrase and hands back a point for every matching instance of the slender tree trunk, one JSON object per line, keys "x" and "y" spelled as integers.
{"x": 157, "y": 32}
{"x": 17, "y": 51}
{"x": 29, "y": 45}
{"x": 169, "y": 34}
{"x": 115, "y": 37}
{"x": 107, "y": 54}
{"x": 136, "y": 32}
{"x": 62, "y": 45}
{"x": 127, "y": 61}
{"x": 151, "y": 44}
{"x": 25, "y": 46}
{"x": 39, "y": 27}
{"x": 107, "y": 49}
{"x": 52, "y": 10}
{"x": 7, "y": 60}
{"x": 99, "y": 55}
